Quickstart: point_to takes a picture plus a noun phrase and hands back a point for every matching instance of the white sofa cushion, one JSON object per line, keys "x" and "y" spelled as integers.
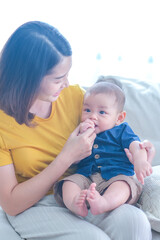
{"x": 149, "y": 200}
{"x": 143, "y": 115}
{"x": 143, "y": 111}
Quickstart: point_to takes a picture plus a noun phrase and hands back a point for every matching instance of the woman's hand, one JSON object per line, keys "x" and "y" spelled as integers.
{"x": 79, "y": 146}
{"x": 148, "y": 146}
{"x": 150, "y": 149}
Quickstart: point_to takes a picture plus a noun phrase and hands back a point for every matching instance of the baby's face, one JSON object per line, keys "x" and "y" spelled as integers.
{"x": 102, "y": 110}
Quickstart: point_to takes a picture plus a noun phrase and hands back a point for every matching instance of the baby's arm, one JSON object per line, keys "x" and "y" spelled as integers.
{"x": 148, "y": 146}
{"x": 85, "y": 125}
{"x": 142, "y": 167}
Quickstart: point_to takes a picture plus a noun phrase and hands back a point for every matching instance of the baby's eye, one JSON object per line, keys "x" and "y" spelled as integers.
{"x": 102, "y": 112}
{"x": 87, "y": 110}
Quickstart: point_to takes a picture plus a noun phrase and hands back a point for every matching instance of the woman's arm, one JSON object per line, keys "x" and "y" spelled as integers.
{"x": 16, "y": 197}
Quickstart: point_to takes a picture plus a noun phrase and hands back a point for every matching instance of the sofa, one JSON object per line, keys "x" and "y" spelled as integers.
{"x": 143, "y": 114}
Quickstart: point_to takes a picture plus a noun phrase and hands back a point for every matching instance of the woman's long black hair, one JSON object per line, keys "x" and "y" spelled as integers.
{"x": 28, "y": 55}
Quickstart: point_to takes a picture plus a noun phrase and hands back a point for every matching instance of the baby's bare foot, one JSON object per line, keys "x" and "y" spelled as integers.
{"x": 79, "y": 203}
{"x": 97, "y": 202}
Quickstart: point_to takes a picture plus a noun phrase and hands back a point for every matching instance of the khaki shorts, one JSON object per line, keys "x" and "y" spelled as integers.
{"x": 101, "y": 185}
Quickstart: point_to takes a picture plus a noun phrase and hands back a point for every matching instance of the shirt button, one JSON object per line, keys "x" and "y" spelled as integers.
{"x": 96, "y": 156}
{"x": 95, "y": 146}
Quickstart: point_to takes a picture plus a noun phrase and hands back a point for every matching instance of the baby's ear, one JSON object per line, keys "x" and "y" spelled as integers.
{"x": 120, "y": 118}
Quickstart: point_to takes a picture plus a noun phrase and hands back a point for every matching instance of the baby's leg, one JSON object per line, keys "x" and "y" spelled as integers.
{"x": 114, "y": 196}
{"x": 74, "y": 198}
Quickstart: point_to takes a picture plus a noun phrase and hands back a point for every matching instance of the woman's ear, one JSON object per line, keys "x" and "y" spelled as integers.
{"x": 120, "y": 118}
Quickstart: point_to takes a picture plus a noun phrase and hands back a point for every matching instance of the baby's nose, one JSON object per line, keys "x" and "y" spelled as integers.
{"x": 93, "y": 116}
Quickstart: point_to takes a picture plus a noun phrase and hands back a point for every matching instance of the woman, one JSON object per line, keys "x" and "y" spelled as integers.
{"x": 39, "y": 112}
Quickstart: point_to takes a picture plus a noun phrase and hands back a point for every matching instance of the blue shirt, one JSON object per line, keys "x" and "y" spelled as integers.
{"x": 108, "y": 156}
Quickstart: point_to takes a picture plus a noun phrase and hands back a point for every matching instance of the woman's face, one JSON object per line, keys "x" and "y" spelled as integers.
{"x": 53, "y": 83}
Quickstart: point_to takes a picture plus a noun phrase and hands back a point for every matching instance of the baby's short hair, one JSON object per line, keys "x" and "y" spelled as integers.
{"x": 109, "y": 79}
{"x": 111, "y": 88}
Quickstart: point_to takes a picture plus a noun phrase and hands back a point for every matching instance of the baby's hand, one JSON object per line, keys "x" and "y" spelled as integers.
{"x": 142, "y": 169}
{"x": 85, "y": 125}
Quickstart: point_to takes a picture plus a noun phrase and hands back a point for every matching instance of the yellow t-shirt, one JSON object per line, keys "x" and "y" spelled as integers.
{"x": 31, "y": 149}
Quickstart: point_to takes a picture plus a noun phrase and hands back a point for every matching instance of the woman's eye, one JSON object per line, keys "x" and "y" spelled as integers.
{"x": 57, "y": 82}
{"x": 102, "y": 112}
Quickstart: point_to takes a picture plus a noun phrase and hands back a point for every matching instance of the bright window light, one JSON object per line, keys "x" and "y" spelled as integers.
{"x": 108, "y": 37}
